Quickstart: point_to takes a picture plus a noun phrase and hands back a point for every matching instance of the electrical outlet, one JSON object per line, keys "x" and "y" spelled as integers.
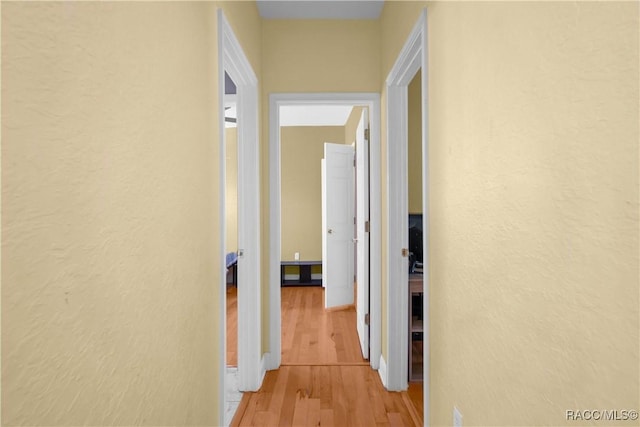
{"x": 457, "y": 417}
{"x": 296, "y": 256}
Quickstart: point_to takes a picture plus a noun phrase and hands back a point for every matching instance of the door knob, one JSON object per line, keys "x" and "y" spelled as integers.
{"x": 330, "y": 231}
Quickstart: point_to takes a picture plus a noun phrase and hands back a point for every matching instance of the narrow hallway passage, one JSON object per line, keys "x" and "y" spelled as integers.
{"x": 323, "y": 379}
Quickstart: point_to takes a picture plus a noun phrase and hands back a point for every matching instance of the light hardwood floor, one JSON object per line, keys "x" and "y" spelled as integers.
{"x": 323, "y": 380}
{"x": 313, "y": 336}
{"x": 232, "y": 326}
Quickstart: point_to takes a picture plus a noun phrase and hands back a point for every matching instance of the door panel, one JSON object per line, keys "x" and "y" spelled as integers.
{"x": 337, "y": 210}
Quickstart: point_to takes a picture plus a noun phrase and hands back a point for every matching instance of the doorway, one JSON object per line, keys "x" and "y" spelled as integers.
{"x": 233, "y": 394}
{"x": 235, "y": 74}
{"x": 311, "y": 134}
{"x": 411, "y": 60}
{"x": 277, "y": 101}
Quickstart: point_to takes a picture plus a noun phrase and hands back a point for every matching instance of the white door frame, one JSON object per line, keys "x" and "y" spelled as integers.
{"x": 412, "y": 58}
{"x": 372, "y": 102}
{"x": 362, "y": 262}
{"x": 232, "y": 59}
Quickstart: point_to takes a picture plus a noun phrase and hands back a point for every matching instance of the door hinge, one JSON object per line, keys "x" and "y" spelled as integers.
{"x": 366, "y": 226}
{"x": 405, "y": 252}
{"x": 354, "y": 219}
{"x": 354, "y": 163}
{"x": 366, "y": 134}
{"x": 366, "y": 319}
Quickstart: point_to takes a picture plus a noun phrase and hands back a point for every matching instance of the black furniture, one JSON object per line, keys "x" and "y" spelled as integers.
{"x": 231, "y": 261}
{"x": 304, "y": 277}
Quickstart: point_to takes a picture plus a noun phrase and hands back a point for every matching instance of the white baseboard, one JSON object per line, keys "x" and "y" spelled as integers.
{"x": 232, "y": 395}
{"x": 382, "y": 371}
{"x": 264, "y": 364}
{"x": 269, "y": 362}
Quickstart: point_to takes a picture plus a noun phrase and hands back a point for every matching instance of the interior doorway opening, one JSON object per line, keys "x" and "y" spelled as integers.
{"x": 415, "y": 372}
{"x": 411, "y": 59}
{"x": 279, "y": 219}
{"x": 319, "y": 235}
{"x": 233, "y": 394}
{"x": 231, "y": 219}
{"x": 235, "y": 71}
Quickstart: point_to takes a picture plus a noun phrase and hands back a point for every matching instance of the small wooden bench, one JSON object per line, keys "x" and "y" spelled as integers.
{"x": 304, "y": 267}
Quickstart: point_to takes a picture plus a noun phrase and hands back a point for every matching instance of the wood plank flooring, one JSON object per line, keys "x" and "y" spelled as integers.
{"x": 312, "y": 336}
{"x": 416, "y": 395}
{"x": 232, "y": 326}
{"x": 325, "y": 396}
{"x": 323, "y": 380}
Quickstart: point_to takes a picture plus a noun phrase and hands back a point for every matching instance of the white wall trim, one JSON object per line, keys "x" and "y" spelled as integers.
{"x": 382, "y": 371}
{"x": 275, "y": 345}
{"x": 231, "y": 58}
{"x": 264, "y": 362}
{"x": 372, "y": 101}
{"x": 233, "y": 395}
{"x": 412, "y": 58}
{"x": 222, "y": 357}
{"x": 426, "y": 221}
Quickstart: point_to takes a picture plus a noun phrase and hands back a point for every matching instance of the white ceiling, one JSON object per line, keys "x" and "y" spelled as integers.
{"x": 314, "y": 115}
{"x": 297, "y": 115}
{"x": 320, "y": 9}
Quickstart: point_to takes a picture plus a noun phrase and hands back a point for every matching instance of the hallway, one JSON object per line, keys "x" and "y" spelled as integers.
{"x": 323, "y": 379}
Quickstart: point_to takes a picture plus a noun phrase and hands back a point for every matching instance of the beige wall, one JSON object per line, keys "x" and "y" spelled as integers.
{"x": 111, "y": 262}
{"x": 302, "y": 148}
{"x": 534, "y": 207}
{"x": 414, "y": 161}
{"x": 534, "y": 210}
{"x": 231, "y": 185}
{"x": 108, "y": 255}
{"x": 320, "y": 56}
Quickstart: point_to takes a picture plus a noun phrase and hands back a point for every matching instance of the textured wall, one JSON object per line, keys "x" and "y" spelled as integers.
{"x": 534, "y": 210}
{"x": 321, "y": 56}
{"x": 109, "y": 301}
{"x": 302, "y": 151}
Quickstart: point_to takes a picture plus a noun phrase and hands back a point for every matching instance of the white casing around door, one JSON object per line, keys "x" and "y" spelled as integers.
{"x": 362, "y": 233}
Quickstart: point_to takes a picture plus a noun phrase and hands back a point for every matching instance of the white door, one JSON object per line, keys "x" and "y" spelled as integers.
{"x": 362, "y": 233}
{"x": 337, "y": 210}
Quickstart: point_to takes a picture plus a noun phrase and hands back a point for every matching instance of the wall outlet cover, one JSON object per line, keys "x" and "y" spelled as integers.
{"x": 296, "y": 256}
